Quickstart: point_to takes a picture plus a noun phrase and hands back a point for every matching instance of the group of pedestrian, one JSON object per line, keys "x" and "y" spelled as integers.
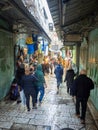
{"x": 29, "y": 82}
{"x": 78, "y": 87}
{"x": 47, "y": 67}
{"x": 33, "y": 83}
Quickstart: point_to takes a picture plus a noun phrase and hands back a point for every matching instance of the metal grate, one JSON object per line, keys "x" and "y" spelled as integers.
{"x": 67, "y": 129}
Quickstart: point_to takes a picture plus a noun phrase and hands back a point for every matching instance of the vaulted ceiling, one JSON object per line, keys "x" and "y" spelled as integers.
{"x": 74, "y": 16}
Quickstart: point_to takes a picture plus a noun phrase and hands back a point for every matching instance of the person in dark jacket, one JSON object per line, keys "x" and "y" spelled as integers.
{"x": 19, "y": 73}
{"x": 69, "y": 78}
{"x": 27, "y": 84}
{"x": 59, "y": 75}
{"x": 82, "y": 86}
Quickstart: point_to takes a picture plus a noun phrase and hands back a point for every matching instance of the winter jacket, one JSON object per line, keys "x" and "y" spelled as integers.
{"x": 82, "y": 86}
{"x": 28, "y": 82}
{"x": 58, "y": 72}
{"x": 19, "y": 73}
{"x": 69, "y": 77}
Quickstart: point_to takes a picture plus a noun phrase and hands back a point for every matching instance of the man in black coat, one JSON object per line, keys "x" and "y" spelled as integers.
{"x": 81, "y": 87}
{"x": 69, "y": 78}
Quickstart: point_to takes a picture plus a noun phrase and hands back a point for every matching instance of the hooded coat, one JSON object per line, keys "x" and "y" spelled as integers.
{"x": 58, "y": 72}
{"x": 69, "y": 77}
{"x": 39, "y": 74}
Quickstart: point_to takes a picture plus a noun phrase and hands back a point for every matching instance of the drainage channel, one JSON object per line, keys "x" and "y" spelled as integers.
{"x": 67, "y": 129}
{"x": 73, "y": 129}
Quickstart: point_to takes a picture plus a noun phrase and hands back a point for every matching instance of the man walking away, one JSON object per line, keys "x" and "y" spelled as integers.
{"x": 69, "y": 78}
{"x": 59, "y": 75}
{"x": 82, "y": 86}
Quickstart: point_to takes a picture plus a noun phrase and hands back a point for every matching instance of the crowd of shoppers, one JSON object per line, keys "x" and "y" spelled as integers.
{"x": 30, "y": 80}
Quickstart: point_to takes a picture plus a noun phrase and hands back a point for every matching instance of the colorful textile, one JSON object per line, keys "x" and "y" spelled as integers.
{"x": 35, "y": 38}
{"x": 35, "y": 46}
{"x": 29, "y": 40}
{"x": 30, "y": 48}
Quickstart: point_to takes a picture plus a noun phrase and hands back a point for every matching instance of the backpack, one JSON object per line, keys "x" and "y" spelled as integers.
{"x": 14, "y": 93}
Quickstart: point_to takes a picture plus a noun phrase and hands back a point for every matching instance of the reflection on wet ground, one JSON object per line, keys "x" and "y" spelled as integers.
{"x": 57, "y": 112}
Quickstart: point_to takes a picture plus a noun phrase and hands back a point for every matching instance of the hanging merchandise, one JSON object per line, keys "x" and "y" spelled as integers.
{"x": 43, "y": 45}
{"x": 46, "y": 50}
{"x": 35, "y": 38}
{"x": 29, "y": 40}
{"x": 63, "y": 54}
{"x": 35, "y": 41}
{"x": 30, "y": 48}
{"x": 35, "y": 46}
{"x": 39, "y": 48}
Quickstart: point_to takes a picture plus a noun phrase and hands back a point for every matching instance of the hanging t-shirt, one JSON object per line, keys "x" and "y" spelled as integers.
{"x": 30, "y": 48}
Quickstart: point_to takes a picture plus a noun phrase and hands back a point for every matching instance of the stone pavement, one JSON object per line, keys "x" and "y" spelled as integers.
{"x": 57, "y": 112}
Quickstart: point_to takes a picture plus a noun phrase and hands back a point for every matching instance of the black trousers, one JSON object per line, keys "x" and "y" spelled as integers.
{"x": 81, "y": 106}
{"x": 31, "y": 93}
{"x": 70, "y": 90}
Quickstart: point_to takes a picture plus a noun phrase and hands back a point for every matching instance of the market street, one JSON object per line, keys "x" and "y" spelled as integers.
{"x": 55, "y": 113}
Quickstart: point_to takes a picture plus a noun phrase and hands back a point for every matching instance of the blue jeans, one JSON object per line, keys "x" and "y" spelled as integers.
{"x": 59, "y": 81}
{"x": 41, "y": 90}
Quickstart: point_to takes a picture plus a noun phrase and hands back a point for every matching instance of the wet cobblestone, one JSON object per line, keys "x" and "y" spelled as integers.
{"x": 57, "y": 112}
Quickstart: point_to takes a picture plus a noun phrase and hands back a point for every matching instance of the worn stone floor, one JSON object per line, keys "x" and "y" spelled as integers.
{"x": 57, "y": 112}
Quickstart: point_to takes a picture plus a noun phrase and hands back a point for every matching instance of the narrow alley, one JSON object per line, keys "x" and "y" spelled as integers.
{"x": 57, "y": 112}
{"x": 46, "y": 32}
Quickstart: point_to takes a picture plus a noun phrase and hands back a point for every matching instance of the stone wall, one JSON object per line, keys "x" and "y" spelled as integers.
{"x": 6, "y": 62}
